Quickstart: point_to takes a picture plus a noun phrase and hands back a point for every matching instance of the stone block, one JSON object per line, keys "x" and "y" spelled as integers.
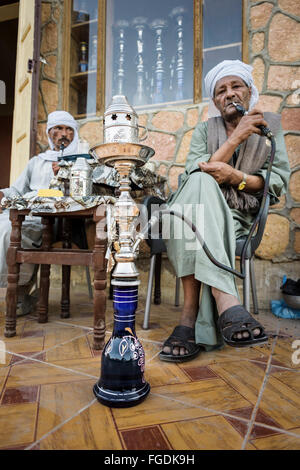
{"x": 143, "y": 120}
{"x": 50, "y": 68}
{"x": 284, "y": 44}
{"x": 170, "y": 121}
{"x": 276, "y": 237}
{"x": 280, "y": 204}
{"x": 174, "y": 172}
{"x": 163, "y": 144}
{"x": 295, "y": 186}
{"x": 291, "y": 119}
{"x": 292, "y": 143}
{"x": 295, "y": 214}
{"x": 258, "y": 73}
{"x": 269, "y": 103}
{"x": 41, "y": 134}
{"x": 258, "y": 42}
{"x": 297, "y": 241}
{"x": 41, "y": 110}
{"x": 57, "y": 14}
{"x": 290, "y": 6}
{"x": 204, "y": 115}
{"x": 283, "y": 77}
{"x": 260, "y": 14}
{"x": 184, "y": 147}
{"x": 50, "y": 95}
{"x": 192, "y": 117}
{"x": 92, "y": 132}
{"x": 45, "y": 12}
{"x": 49, "y": 38}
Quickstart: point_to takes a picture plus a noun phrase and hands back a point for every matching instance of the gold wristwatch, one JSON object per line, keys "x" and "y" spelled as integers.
{"x": 242, "y": 184}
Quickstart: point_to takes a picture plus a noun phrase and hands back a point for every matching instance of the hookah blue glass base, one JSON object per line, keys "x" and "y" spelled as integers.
{"x": 122, "y": 383}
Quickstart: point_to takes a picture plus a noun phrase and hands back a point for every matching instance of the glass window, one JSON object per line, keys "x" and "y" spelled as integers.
{"x": 222, "y": 33}
{"x": 146, "y": 50}
{"x": 149, "y": 51}
{"x": 83, "y": 60}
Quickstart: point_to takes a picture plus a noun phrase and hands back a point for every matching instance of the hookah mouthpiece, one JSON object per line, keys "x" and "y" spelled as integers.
{"x": 265, "y": 130}
{"x": 61, "y": 148}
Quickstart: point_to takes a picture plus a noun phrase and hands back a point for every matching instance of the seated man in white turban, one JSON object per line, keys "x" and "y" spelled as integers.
{"x": 225, "y": 173}
{"x": 61, "y": 129}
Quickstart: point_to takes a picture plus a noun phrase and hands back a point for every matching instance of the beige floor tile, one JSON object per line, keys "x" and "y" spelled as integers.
{"x": 244, "y": 376}
{"x": 77, "y": 348}
{"x": 34, "y": 345}
{"x": 281, "y": 402}
{"x": 4, "y": 371}
{"x": 158, "y": 373}
{"x": 210, "y": 433}
{"x": 283, "y": 352}
{"x": 90, "y": 366}
{"x": 61, "y": 401}
{"x": 38, "y": 373}
{"x": 61, "y": 334}
{"x": 290, "y": 378}
{"x": 93, "y": 429}
{"x": 278, "y": 442}
{"x": 17, "y": 424}
{"x": 179, "y": 402}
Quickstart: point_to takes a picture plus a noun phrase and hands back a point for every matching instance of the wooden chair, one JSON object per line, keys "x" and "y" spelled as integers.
{"x": 45, "y": 255}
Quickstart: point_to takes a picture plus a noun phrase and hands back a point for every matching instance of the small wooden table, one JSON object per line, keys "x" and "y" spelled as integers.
{"x": 45, "y": 256}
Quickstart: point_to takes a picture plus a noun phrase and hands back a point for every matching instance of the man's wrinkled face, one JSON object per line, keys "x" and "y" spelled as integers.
{"x": 61, "y": 134}
{"x": 231, "y": 89}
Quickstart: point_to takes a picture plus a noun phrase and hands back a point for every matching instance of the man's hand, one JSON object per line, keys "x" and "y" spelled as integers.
{"x": 247, "y": 126}
{"x": 221, "y": 172}
{"x": 55, "y": 168}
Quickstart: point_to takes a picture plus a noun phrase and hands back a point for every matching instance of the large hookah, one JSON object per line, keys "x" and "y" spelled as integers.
{"x": 122, "y": 382}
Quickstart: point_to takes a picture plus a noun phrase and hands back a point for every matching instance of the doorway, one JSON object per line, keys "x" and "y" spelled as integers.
{"x": 8, "y": 46}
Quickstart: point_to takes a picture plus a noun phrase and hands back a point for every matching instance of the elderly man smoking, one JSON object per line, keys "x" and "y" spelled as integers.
{"x": 61, "y": 128}
{"x": 225, "y": 172}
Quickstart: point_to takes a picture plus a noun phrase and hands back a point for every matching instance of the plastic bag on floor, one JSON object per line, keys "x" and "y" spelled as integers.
{"x": 282, "y": 310}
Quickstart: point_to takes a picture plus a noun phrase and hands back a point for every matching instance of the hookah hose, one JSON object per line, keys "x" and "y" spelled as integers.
{"x": 157, "y": 215}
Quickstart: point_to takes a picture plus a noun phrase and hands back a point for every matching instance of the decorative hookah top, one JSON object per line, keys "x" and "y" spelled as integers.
{"x": 121, "y": 135}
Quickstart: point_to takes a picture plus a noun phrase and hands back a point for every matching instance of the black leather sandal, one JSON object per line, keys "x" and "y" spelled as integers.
{"x": 182, "y": 337}
{"x": 237, "y": 320}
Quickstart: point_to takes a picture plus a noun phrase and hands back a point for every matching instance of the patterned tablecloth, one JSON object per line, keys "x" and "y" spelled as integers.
{"x": 38, "y": 204}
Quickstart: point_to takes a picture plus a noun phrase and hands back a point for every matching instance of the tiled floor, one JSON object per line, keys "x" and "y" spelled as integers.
{"x": 227, "y": 399}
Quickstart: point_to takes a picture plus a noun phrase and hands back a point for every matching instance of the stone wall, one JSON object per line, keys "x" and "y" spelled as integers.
{"x": 50, "y": 89}
{"x": 274, "y": 51}
{"x": 274, "y": 46}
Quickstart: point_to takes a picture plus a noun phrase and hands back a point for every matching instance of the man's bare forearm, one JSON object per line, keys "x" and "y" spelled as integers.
{"x": 224, "y": 153}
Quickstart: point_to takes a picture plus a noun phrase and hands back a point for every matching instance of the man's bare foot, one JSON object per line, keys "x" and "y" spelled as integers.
{"x": 225, "y": 301}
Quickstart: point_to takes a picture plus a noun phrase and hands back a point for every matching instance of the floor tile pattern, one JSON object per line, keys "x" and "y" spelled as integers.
{"x": 226, "y": 399}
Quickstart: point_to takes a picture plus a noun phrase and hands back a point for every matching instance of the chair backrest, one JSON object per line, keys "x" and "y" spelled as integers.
{"x": 156, "y": 245}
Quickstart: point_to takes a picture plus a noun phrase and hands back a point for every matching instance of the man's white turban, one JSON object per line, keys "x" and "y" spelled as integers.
{"x": 66, "y": 119}
{"x": 224, "y": 69}
{"x": 55, "y": 119}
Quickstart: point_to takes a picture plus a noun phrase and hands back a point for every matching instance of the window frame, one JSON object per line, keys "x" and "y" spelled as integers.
{"x": 101, "y": 66}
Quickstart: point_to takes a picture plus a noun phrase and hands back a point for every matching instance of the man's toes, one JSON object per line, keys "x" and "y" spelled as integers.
{"x": 167, "y": 350}
{"x": 245, "y": 334}
{"x": 256, "y": 332}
